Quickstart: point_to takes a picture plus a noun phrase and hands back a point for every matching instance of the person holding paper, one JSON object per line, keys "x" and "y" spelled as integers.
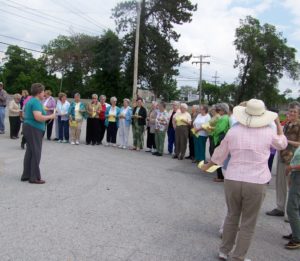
{"x": 112, "y": 122}
{"x": 181, "y": 120}
{"x": 62, "y": 109}
{"x": 93, "y": 122}
{"x": 200, "y": 135}
{"x": 247, "y": 173}
{"x": 14, "y": 111}
{"x": 124, "y": 124}
{"x": 139, "y": 116}
{"x": 49, "y": 104}
{"x": 33, "y": 129}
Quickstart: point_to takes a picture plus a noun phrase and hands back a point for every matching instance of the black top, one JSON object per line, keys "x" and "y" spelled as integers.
{"x": 143, "y": 114}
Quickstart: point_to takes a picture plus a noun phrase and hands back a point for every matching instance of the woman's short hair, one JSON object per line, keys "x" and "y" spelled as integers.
{"x": 48, "y": 92}
{"x": 25, "y": 92}
{"x": 94, "y": 96}
{"x": 61, "y": 95}
{"x": 205, "y": 108}
{"x": 113, "y": 99}
{"x": 184, "y": 105}
{"x": 176, "y": 103}
{"x": 223, "y": 107}
{"x": 102, "y": 96}
{"x": 294, "y": 105}
{"x": 77, "y": 94}
{"x": 163, "y": 104}
{"x": 37, "y": 88}
{"x": 126, "y": 100}
{"x": 17, "y": 96}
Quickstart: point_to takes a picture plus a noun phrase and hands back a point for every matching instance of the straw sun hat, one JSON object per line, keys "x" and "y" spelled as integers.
{"x": 254, "y": 115}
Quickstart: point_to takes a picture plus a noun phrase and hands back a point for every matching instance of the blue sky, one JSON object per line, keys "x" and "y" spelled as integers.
{"x": 211, "y": 32}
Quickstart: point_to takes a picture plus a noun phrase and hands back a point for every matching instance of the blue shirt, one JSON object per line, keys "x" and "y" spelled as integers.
{"x": 32, "y": 105}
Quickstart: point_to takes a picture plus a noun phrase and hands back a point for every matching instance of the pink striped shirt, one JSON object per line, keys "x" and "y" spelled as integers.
{"x": 249, "y": 149}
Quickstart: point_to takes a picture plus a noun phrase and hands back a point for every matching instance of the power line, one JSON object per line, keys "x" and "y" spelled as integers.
{"x": 32, "y": 20}
{"x": 70, "y": 8}
{"x": 216, "y": 77}
{"x": 48, "y": 17}
{"x": 200, "y": 62}
{"x": 14, "y": 38}
{"x": 25, "y": 48}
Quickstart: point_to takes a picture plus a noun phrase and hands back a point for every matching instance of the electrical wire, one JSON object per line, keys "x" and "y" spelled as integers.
{"x": 25, "y": 48}
{"x": 14, "y": 38}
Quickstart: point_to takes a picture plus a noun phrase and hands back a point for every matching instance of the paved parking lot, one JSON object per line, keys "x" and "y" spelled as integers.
{"x": 102, "y": 203}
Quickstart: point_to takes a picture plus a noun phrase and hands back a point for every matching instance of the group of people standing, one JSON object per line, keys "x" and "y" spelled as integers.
{"x": 242, "y": 142}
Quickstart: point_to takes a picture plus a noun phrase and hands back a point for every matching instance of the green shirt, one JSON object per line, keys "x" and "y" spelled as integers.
{"x": 32, "y": 105}
{"x": 296, "y": 158}
{"x": 221, "y": 128}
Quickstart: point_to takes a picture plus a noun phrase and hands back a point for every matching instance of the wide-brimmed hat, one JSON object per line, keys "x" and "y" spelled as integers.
{"x": 254, "y": 115}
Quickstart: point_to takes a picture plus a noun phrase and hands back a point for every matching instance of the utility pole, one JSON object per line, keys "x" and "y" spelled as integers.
{"x": 216, "y": 77}
{"x": 136, "y": 50}
{"x": 201, "y": 62}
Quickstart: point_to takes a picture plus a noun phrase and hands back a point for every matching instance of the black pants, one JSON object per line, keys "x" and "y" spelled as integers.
{"x": 34, "y": 138}
{"x": 102, "y": 129}
{"x": 270, "y": 161}
{"x": 150, "y": 139}
{"x": 49, "y": 127}
{"x": 211, "y": 151}
{"x": 111, "y": 135}
{"x": 15, "y": 125}
{"x": 92, "y": 131}
{"x": 191, "y": 145}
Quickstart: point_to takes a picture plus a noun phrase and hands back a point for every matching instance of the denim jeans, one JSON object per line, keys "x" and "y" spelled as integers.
{"x": 63, "y": 129}
{"x": 293, "y": 205}
{"x": 2, "y": 118}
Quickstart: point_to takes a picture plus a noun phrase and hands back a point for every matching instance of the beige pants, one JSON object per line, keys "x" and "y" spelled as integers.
{"x": 244, "y": 201}
{"x": 76, "y": 131}
{"x": 281, "y": 185}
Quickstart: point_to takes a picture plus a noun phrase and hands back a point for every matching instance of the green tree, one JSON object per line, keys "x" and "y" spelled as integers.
{"x": 263, "y": 58}
{"x": 21, "y": 69}
{"x": 158, "y": 59}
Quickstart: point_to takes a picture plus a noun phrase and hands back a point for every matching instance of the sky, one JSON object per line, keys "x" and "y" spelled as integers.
{"x": 211, "y": 32}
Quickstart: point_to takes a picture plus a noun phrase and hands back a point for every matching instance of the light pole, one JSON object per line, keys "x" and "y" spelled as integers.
{"x": 136, "y": 50}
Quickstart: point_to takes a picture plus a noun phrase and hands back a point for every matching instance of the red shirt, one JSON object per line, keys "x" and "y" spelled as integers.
{"x": 102, "y": 113}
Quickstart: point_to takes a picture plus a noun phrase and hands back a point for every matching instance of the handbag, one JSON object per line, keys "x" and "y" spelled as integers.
{"x": 73, "y": 124}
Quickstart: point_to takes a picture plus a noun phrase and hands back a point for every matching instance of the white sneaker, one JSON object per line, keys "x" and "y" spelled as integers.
{"x": 59, "y": 141}
{"x": 124, "y": 147}
{"x": 114, "y": 145}
{"x": 77, "y": 142}
{"x": 148, "y": 150}
{"x": 72, "y": 143}
{"x": 153, "y": 150}
{"x": 120, "y": 146}
{"x": 65, "y": 141}
{"x": 223, "y": 256}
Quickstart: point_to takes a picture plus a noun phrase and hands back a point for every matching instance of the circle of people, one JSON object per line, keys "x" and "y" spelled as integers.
{"x": 242, "y": 143}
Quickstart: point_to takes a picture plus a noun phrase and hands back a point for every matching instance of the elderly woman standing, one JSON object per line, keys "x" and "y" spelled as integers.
{"x": 171, "y": 130}
{"x": 103, "y": 106}
{"x": 139, "y": 116}
{"x": 62, "y": 110}
{"x": 112, "y": 122}
{"x": 49, "y": 106}
{"x": 77, "y": 112}
{"x": 182, "y": 121}
{"x": 24, "y": 94}
{"x": 200, "y": 135}
{"x": 247, "y": 173}
{"x": 219, "y": 132}
{"x": 14, "y": 110}
{"x": 93, "y": 122}
{"x": 124, "y": 124}
{"x": 292, "y": 132}
{"x": 33, "y": 129}
{"x": 151, "y": 147}
{"x": 194, "y": 114}
{"x": 161, "y": 125}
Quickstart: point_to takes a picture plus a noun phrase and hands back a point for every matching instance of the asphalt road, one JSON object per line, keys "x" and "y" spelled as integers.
{"x": 103, "y": 203}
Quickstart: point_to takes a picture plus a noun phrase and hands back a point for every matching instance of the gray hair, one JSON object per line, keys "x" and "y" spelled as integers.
{"x": 195, "y": 106}
{"x": 294, "y": 105}
{"x": 17, "y": 96}
{"x": 126, "y": 100}
{"x": 176, "y": 103}
{"x": 113, "y": 99}
{"x": 102, "y": 96}
{"x": 94, "y": 96}
{"x": 184, "y": 105}
{"x": 77, "y": 95}
{"x": 223, "y": 107}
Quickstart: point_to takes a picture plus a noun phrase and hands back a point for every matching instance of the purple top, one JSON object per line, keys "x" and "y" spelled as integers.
{"x": 50, "y": 104}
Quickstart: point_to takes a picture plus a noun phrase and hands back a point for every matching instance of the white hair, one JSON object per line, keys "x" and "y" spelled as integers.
{"x": 102, "y": 97}
{"x": 184, "y": 105}
{"x": 95, "y": 96}
{"x": 113, "y": 99}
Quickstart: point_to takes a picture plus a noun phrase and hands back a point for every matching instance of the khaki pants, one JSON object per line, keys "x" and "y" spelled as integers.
{"x": 181, "y": 138}
{"x": 76, "y": 131}
{"x": 244, "y": 201}
{"x": 281, "y": 185}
